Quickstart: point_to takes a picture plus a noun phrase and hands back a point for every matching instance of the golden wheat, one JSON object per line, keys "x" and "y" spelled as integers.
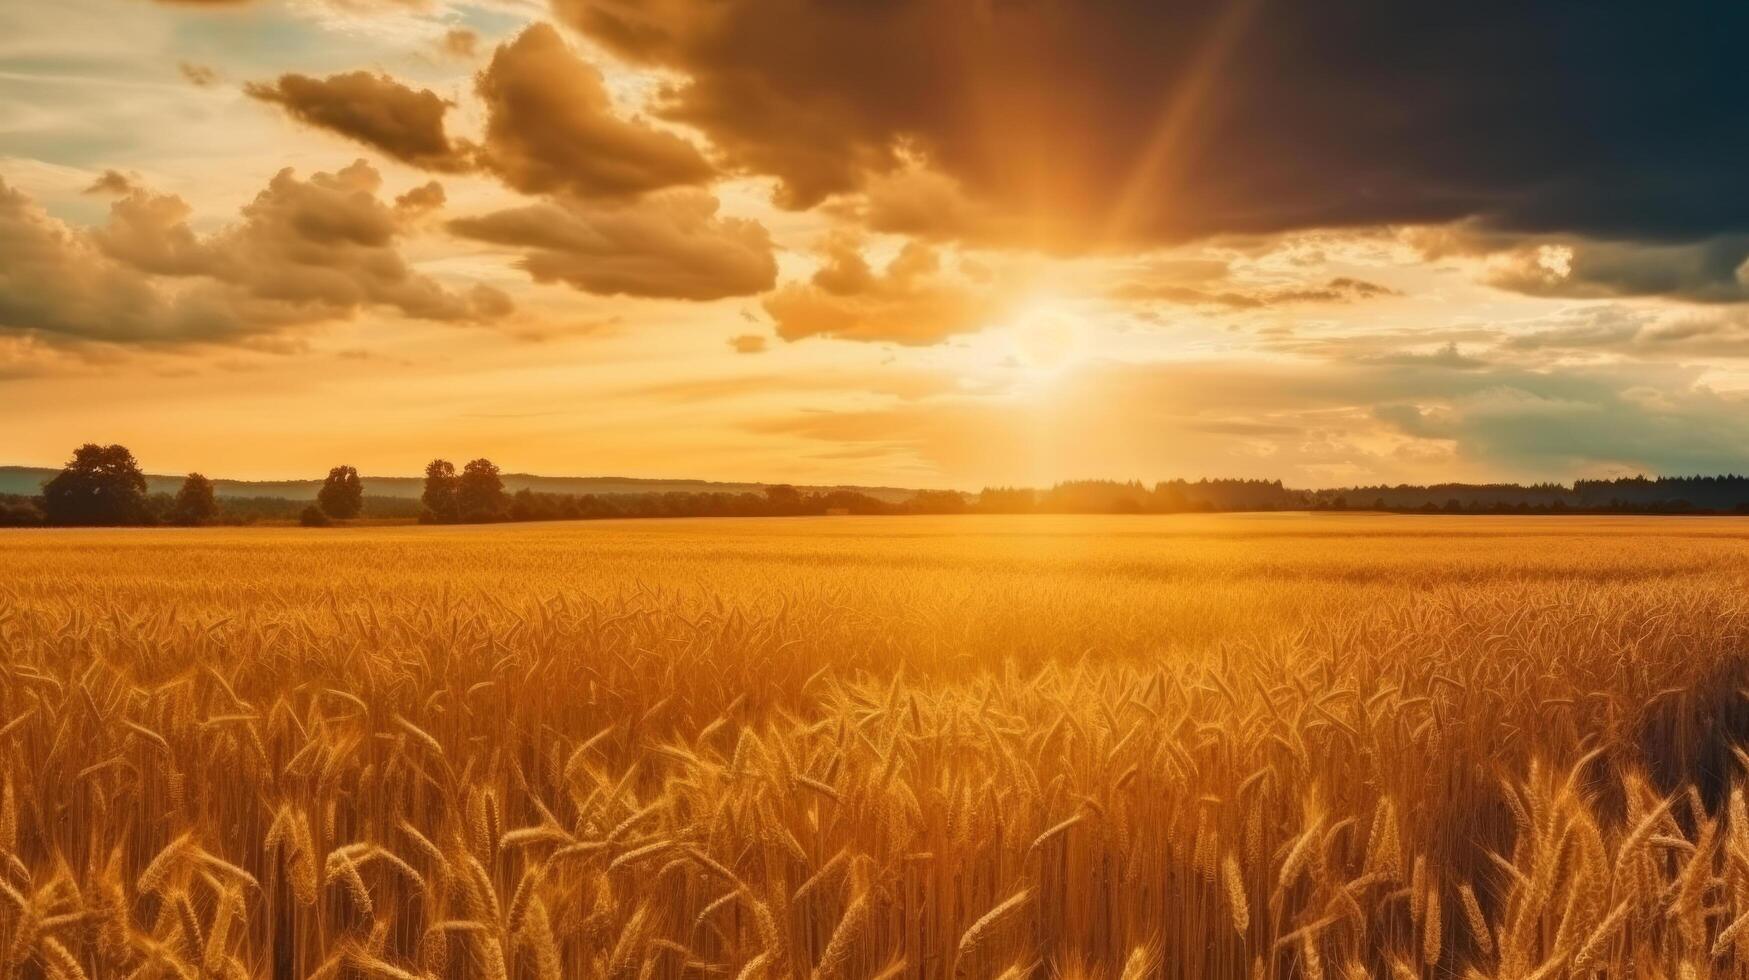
{"x": 1272, "y": 747}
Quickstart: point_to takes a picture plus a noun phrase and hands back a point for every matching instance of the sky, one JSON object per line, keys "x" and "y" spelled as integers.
{"x": 931, "y": 243}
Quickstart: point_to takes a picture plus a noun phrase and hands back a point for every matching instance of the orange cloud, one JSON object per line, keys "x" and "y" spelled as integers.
{"x": 911, "y": 301}
{"x": 305, "y": 251}
{"x": 403, "y": 122}
{"x": 551, "y": 128}
{"x": 671, "y": 245}
{"x": 111, "y": 182}
{"x": 460, "y": 42}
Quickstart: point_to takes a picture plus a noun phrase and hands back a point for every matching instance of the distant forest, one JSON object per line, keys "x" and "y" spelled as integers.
{"x": 104, "y": 486}
{"x": 1627, "y": 495}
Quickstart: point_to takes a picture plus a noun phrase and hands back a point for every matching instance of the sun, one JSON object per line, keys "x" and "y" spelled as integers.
{"x": 1046, "y": 339}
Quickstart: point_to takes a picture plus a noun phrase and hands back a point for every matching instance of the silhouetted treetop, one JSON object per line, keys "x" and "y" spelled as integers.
{"x": 194, "y": 502}
{"x": 440, "y": 489}
{"x": 101, "y": 485}
{"x": 342, "y": 493}
{"x": 480, "y": 492}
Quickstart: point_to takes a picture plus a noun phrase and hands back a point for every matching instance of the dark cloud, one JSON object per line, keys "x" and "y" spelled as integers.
{"x": 1713, "y": 269}
{"x": 304, "y": 251}
{"x": 551, "y": 128}
{"x": 911, "y": 301}
{"x": 670, "y": 245}
{"x": 402, "y": 122}
{"x": 1092, "y": 123}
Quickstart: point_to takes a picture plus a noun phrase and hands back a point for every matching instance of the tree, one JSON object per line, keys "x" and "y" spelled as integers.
{"x": 783, "y": 499}
{"x": 480, "y": 492}
{"x": 342, "y": 494}
{"x": 19, "y": 512}
{"x": 101, "y": 485}
{"x": 313, "y": 517}
{"x": 440, "y": 491}
{"x": 936, "y": 502}
{"x": 194, "y": 502}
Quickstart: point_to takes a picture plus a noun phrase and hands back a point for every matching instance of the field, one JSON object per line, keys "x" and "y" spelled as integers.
{"x": 1247, "y": 746}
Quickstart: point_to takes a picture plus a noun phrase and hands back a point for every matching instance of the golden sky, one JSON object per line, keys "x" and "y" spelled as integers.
{"x": 912, "y": 243}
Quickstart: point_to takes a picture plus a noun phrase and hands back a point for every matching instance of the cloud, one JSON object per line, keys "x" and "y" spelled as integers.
{"x": 1102, "y": 123}
{"x": 670, "y": 245}
{"x": 421, "y": 200}
{"x": 1712, "y": 269}
{"x": 1308, "y": 421}
{"x": 200, "y": 76}
{"x": 913, "y": 300}
{"x": 1213, "y": 283}
{"x": 1340, "y": 289}
{"x": 304, "y": 251}
{"x": 402, "y": 122}
{"x": 1637, "y": 332}
{"x": 111, "y": 182}
{"x": 460, "y": 42}
{"x": 55, "y": 281}
{"x": 748, "y": 343}
{"x": 551, "y": 129}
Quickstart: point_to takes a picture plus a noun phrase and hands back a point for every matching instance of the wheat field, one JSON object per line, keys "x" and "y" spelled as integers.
{"x": 1283, "y": 746}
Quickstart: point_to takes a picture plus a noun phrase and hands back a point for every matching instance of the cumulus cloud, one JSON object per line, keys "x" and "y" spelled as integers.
{"x": 376, "y": 110}
{"x": 913, "y": 300}
{"x": 421, "y": 200}
{"x": 551, "y": 127}
{"x": 54, "y": 280}
{"x": 304, "y": 251}
{"x": 1134, "y": 120}
{"x": 670, "y": 245}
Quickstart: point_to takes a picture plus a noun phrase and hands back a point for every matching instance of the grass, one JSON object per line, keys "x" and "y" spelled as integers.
{"x": 1279, "y": 746}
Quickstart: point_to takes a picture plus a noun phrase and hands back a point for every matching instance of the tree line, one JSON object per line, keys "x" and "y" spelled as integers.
{"x": 104, "y": 486}
{"x": 476, "y": 495}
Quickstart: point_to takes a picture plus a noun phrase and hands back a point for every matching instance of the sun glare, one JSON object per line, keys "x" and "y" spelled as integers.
{"x": 1045, "y": 340}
